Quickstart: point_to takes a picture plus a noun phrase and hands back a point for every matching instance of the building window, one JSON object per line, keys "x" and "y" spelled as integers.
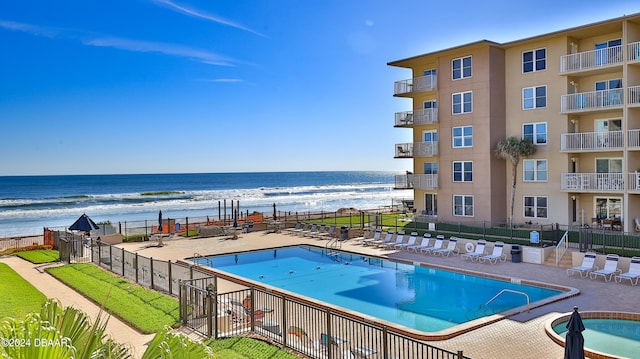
{"x": 534, "y": 97}
{"x": 430, "y": 204}
{"x": 535, "y": 60}
{"x": 463, "y": 205}
{"x": 535, "y": 132}
{"x": 431, "y": 168}
{"x": 461, "y": 68}
{"x": 462, "y": 102}
{"x": 462, "y": 136}
{"x": 462, "y": 171}
{"x": 535, "y": 170}
{"x": 535, "y": 207}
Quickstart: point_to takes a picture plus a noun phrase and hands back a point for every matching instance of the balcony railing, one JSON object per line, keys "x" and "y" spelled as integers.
{"x": 416, "y": 84}
{"x": 633, "y": 95}
{"x": 633, "y": 51}
{"x": 591, "y": 141}
{"x": 592, "y": 101}
{"x": 592, "y": 182}
{"x": 633, "y": 142}
{"x": 419, "y": 117}
{"x": 593, "y": 59}
{"x": 418, "y": 149}
{"x": 633, "y": 181}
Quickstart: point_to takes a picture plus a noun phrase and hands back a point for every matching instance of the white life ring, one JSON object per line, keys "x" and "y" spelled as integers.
{"x": 468, "y": 247}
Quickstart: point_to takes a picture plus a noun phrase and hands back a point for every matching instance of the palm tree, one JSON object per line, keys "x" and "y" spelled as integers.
{"x": 512, "y": 149}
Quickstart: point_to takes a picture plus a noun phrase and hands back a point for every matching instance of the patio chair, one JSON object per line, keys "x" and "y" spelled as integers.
{"x": 436, "y": 245}
{"x": 632, "y": 274}
{"x": 368, "y": 233}
{"x": 610, "y": 268}
{"x": 375, "y": 238}
{"x": 452, "y": 247}
{"x": 389, "y": 238}
{"x": 412, "y": 241}
{"x": 328, "y": 233}
{"x": 296, "y": 228}
{"x": 399, "y": 240}
{"x": 496, "y": 255}
{"x": 478, "y": 252}
{"x": 588, "y": 265}
{"x": 312, "y": 229}
{"x": 426, "y": 238}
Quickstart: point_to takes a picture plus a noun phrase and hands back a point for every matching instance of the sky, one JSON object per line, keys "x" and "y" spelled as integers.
{"x": 179, "y": 86}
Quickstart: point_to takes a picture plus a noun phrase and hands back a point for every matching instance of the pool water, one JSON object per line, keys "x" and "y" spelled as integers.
{"x": 612, "y": 336}
{"x": 423, "y": 298}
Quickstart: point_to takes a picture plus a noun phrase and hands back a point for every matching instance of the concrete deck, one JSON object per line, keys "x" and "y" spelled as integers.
{"x": 521, "y": 336}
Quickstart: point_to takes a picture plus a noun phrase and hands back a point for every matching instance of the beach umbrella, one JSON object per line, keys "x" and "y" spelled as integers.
{"x": 84, "y": 224}
{"x": 574, "y": 342}
{"x": 160, "y": 221}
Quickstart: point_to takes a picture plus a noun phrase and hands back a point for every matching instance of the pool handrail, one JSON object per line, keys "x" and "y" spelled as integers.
{"x": 511, "y": 291}
{"x": 562, "y": 247}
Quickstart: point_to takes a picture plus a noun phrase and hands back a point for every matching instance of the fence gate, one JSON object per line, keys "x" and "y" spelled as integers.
{"x": 75, "y": 250}
{"x": 197, "y": 305}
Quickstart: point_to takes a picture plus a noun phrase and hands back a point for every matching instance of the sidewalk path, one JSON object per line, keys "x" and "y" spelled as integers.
{"x": 52, "y": 288}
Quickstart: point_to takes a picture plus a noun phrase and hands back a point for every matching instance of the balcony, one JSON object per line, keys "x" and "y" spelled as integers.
{"x": 592, "y": 101}
{"x": 592, "y": 182}
{"x": 415, "y": 85}
{"x": 419, "y": 117}
{"x": 418, "y": 149}
{"x": 633, "y": 95}
{"x": 633, "y": 51}
{"x": 634, "y": 182}
{"x": 592, "y": 141}
{"x": 417, "y": 181}
{"x": 633, "y": 141}
{"x": 591, "y": 60}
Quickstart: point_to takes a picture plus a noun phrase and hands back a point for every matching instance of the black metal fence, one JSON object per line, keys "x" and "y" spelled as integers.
{"x": 315, "y": 331}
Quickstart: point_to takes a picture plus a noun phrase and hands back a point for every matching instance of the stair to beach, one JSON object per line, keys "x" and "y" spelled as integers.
{"x": 565, "y": 261}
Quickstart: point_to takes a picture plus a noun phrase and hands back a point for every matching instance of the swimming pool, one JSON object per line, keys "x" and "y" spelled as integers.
{"x": 607, "y": 334}
{"x": 415, "y": 296}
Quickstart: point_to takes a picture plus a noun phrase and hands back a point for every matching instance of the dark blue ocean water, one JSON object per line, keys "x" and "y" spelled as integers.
{"x": 29, "y": 203}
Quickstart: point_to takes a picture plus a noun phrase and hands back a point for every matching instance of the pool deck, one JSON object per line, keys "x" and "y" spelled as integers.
{"x": 520, "y": 336}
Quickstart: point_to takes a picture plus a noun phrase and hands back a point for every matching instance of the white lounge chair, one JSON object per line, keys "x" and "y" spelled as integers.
{"x": 375, "y": 238}
{"x": 399, "y": 240}
{"x": 296, "y": 228}
{"x": 310, "y": 231}
{"x": 387, "y": 239}
{"x": 478, "y": 252}
{"x": 452, "y": 247}
{"x": 437, "y": 245}
{"x": 306, "y": 227}
{"x": 368, "y": 233}
{"x": 426, "y": 238}
{"x": 610, "y": 268}
{"x": 328, "y": 234}
{"x": 411, "y": 242}
{"x": 496, "y": 255}
{"x": 588, "y": 265}
{"x": 633, "y": 274}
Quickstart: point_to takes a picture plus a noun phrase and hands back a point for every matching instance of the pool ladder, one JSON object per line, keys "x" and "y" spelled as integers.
{"x": 511, "y": 291}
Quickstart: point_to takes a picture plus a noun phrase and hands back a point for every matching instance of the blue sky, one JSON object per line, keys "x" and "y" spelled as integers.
{"x": 157, "y": 86}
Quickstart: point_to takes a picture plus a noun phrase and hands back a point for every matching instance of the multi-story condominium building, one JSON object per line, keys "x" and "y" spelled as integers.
{"x": 574, "y": 93}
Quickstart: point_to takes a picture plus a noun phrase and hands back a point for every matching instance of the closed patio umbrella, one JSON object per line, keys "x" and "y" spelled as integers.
{"x": 574, "y": 342}
{"x": 84, "y": 224}
{"x": 274, "y": 212}
{"x": 160, "y": 221}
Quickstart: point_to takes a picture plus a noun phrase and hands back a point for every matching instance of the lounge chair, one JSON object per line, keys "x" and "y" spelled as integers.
{"x": 496, "y": 255}
{"x": 304, "y": 227}
{"x": 315, "y": 229}
{"x": 399, "y": 240}
{"x": 588, "y": 265}
{"x": 411, "y": 242}
{"x": 387, "y": 239}
{"x": 312, "y": 229}
{"x": 452, "y": 247}
{"x": 477, "y": 253}
{"x": 368, "y": 233}
{"x": 610, "y": 268}
{"x": 375, "y": 238}
{"x": 327, "y": 234}
{"x": 437, "y": 245}
{"x": 633, "y": 274}
{"x": 426, "y": 238}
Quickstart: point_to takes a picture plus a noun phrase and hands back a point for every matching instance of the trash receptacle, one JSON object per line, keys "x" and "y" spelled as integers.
{"x": 516, "y": 253}
{"x": 344, "y": 233}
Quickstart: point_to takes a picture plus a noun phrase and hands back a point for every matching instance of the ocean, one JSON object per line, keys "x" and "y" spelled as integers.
{"x": 30, "y": 203}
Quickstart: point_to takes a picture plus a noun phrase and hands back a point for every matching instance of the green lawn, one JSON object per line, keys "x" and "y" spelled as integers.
{"x": 17, "y": 296}
{"x": 144, "y": 309}
{"x": 39, "y": 256}
{"x": 242, "y": 347}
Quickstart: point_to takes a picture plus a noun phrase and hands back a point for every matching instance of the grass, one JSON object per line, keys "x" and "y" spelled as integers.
{"x": 18, "y": 297}
{"x": 243, "y": 347}
{"x": 39, "y": 256}
{"x": 146, "y": 310}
